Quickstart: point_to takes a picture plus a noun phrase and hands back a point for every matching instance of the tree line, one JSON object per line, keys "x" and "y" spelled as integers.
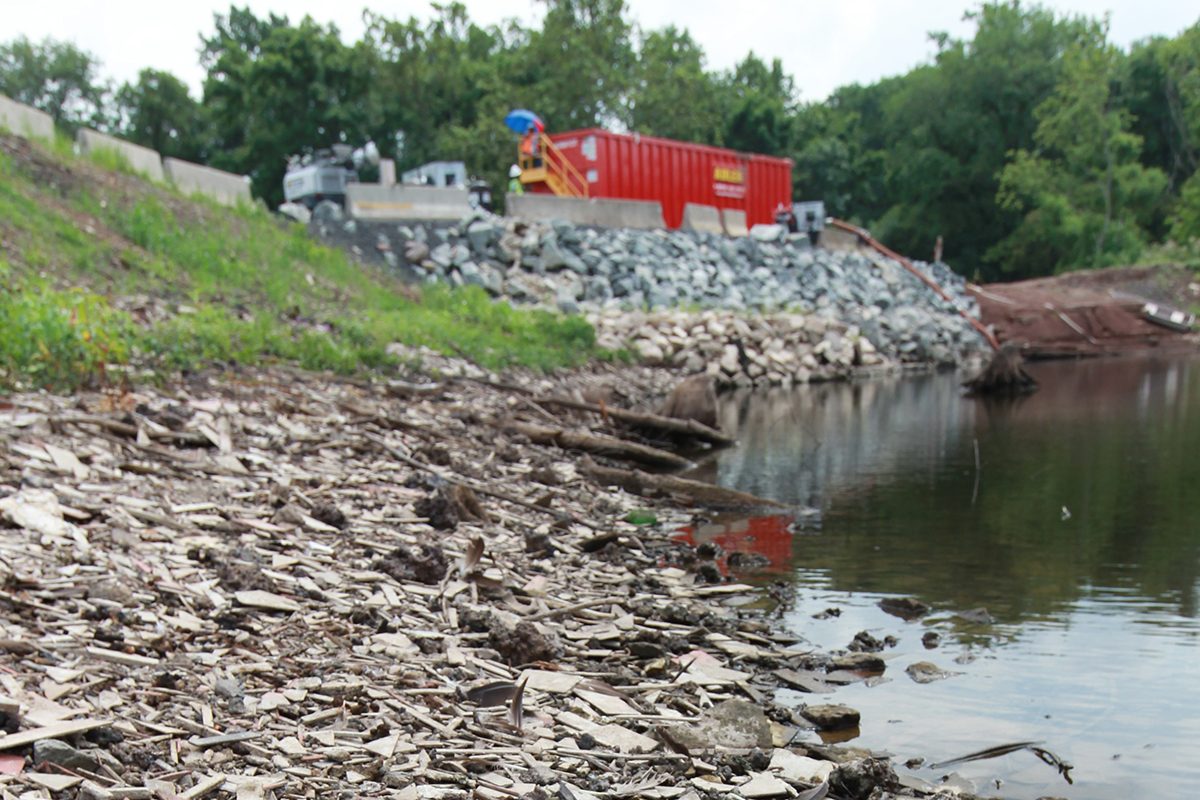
{"x": 1033, "y": 146}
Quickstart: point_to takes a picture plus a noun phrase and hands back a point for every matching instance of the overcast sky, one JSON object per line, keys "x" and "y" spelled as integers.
{"x": 824, "y": 45}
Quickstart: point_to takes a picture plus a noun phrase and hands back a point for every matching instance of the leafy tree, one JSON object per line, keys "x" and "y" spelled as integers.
{"x": 834, "y": 159}
{"x": 673, "y": 96}
{"x": 274, "y": 88}
{"x": 158, "y": 112}
{"x": 56, "y": 77}
{"x": 1185, "y": 222}
{"x": 948, "y": 129}
{"x": 580, "y": 63}
{"x": 759, "y": 102}
{"x": 1084, "y": 196}
{"x": 849, "y": 128}
{"x": 442, "y": 89}
{"x": 1180, "y": 60}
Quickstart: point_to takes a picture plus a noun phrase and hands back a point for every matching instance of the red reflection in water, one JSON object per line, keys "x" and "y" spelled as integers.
{"x": 767, "y": 536}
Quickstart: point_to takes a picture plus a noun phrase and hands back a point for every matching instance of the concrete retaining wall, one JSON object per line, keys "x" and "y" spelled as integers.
{"x": 24, "y": 120}
{"x": 142, "y": 159}
{"x": 734, "y": 222}
{"x": 701, "y": 218}
{"x": 600, "y": 212}
{"x": 372, "y": 201}
{"x": 224, "y": 187}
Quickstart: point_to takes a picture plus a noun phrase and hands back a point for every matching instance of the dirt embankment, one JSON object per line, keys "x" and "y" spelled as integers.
{"x": 1097, "y": 312}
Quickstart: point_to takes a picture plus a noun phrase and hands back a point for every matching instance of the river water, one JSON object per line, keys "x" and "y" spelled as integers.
{"x": 1072, "y": 516}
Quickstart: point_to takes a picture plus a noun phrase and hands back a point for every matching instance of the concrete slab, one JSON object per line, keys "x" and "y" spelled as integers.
{"x": 701, "y": 218}
{"x": 373, "y": 201}
{"x": 25, "y": 120}
{"x": 641, "y": 214}
{"x": 601, "y": 212}
{"x": 142, "y": 159}
{"x": 224, "y": 187}
{"x": 734, "y": 222}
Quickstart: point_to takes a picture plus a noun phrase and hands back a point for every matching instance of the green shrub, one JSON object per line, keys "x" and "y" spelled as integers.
{"x": 58, "y": 340}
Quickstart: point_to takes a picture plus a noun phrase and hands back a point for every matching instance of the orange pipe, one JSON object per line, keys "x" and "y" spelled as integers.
{"x": 908, "y": 265}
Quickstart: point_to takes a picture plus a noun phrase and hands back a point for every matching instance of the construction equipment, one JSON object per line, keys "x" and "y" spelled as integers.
{"x": 437, "y": 190}
{"x": 323, "y": 174}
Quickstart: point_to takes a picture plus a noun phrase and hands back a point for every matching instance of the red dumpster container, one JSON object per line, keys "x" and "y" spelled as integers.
{"x": 635, "y": 167}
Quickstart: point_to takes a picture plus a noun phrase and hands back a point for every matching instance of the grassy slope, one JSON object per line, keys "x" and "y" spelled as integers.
{"x": 100, "y": 267}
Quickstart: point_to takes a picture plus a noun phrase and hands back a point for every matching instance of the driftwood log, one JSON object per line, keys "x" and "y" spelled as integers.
{"x": 1003, "y": 375}
{"x": 668, "y": 425}
{"x": 597, "y": 444}
{"x": 697, "y": 492}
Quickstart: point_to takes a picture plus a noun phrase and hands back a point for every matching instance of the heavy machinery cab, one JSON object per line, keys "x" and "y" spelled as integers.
{"x": 322, "y": 175}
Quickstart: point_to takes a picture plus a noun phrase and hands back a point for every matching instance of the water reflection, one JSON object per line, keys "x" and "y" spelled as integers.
{"x": 892, "y": 466}
{"x": 1077, "y": 531}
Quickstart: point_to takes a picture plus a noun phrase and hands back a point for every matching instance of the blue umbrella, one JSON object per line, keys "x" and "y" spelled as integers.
{"x": 519, "y": 120}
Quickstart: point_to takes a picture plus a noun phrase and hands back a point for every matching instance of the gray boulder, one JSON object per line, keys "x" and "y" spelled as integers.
{"x": 481, "y": 233}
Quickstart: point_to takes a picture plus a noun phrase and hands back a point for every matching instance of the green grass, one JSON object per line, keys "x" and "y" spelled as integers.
{"x": 256, "y": 291}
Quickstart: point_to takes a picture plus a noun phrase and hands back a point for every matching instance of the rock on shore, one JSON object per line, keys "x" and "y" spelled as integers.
{"x": 825, "y": 311}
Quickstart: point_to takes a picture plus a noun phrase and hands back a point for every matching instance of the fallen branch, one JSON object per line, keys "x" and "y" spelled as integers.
{"x": 597, "y": 444}
{"x": 698, "y": 492}
{"x": 678, "y": 427}
{"x": 116, "y": 426}
{"x": 1045, "y": 755}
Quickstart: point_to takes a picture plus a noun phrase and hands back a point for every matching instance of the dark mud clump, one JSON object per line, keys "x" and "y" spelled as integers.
{"x": 330, "y": 515}
{"x": 747, "y": 561}
{"x": 859, "y": 780}
{"x": 238, "y": 576}
{"x": 864, "y": 642}
{"x": 522, "y": 644}
{"x": 424, "y": 564}
{"x": 446, "y": 506}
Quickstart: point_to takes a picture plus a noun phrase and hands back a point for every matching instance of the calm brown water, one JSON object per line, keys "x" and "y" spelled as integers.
{"x": 1079, "y": 533}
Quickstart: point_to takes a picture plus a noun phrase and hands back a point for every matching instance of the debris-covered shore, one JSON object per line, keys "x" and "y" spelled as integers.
{"x": 282, "y": 585}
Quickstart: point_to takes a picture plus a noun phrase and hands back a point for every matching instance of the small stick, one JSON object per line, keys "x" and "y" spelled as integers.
{"x": 975, "y": 492}
{"x": 472, "y": 485}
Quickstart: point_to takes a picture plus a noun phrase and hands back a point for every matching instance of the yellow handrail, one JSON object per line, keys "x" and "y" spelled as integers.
{"x": 561, "y": 175}
{"x": 573, "y": 179}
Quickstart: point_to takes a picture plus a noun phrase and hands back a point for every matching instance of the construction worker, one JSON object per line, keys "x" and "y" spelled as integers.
{"x": 514, "y": 180}
{"x": 531, "y": 146}
{"x": 785, "y": 216}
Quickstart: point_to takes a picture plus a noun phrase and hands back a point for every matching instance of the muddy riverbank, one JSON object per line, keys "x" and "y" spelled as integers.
{"x": 284, "y": 585}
